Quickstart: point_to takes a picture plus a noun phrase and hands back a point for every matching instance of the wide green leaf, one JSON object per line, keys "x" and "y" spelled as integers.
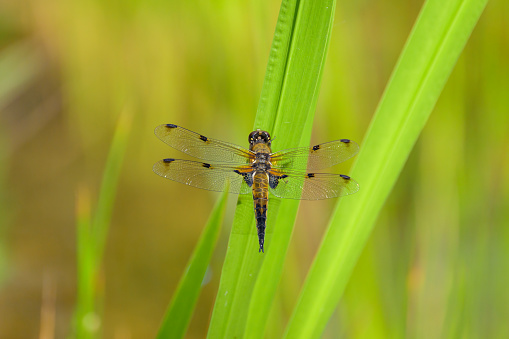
{"x": 286, "y": 109}
{"x": 439, "y": 35}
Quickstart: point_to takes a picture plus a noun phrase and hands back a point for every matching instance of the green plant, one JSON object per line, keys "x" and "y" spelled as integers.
{"x": 286, "y": 110}
{"x": 181, "y": 308}
{"x": 92, "y": 232}
{"x": 435, "y": 43}
{"x": 286, "y": 107}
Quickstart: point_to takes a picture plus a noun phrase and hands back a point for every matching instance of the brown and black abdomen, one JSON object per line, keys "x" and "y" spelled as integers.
{"x": 261, "y": 198}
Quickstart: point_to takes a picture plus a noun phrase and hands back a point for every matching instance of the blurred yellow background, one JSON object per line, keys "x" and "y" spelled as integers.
{"x": 437, "y": 263}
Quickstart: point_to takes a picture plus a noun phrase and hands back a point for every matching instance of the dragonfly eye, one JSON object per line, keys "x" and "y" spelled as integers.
{"x": 252, "y": 136}
{"x": 259, "y": 135}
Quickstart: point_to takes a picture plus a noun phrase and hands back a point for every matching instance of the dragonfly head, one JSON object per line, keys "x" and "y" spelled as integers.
{"x": 259, "y": 136}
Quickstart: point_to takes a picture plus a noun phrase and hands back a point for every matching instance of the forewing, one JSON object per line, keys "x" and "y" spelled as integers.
{"x": 202, "y": 147}
{"x": 311, "y": 186}
{"x": 316, "y": 157}
{"x": 203, "y": 175}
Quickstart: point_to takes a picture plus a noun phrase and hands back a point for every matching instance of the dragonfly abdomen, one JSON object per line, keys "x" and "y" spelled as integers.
{"x": 261, "y": 198}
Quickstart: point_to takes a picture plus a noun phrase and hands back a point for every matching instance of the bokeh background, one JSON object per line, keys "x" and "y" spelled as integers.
{"x": 437, "y": 264}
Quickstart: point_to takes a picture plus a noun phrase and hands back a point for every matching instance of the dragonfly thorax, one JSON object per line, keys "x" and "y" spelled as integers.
{"x": 261, "y": 161}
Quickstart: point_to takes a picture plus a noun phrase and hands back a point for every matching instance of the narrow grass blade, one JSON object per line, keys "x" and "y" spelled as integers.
{"x": 276, "y": 67}
{"x": 427, "y": 60}
{"x": 86, "y": 295}
{"x": 181, "y": 308}
{"x": 92, "y": 232}
{"x": 286, "y": 110}
{"x": 102, "y": 216}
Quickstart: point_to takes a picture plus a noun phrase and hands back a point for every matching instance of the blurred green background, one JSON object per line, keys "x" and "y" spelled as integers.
{"x": 437, "y": 264}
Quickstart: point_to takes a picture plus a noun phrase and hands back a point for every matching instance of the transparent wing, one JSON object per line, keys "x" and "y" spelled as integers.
{"x": 203, "y": 175}
{"x": 199, "y": 146}
{"x": 316, "y": 157}
{"x": 310, "y": 186}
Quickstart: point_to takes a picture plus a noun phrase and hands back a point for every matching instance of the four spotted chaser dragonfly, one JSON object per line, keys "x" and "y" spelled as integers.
{"x": 257, "y": 171}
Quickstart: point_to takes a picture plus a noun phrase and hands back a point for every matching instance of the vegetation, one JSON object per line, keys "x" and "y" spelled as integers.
{"x": 418, "y": 252}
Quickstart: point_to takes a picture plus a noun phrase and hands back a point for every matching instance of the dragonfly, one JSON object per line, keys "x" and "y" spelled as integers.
{"x": 287, "y": 174}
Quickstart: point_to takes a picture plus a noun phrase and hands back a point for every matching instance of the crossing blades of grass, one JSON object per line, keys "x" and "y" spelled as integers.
{"x": 439, "y": 35}
{"x": 286, "y": 111}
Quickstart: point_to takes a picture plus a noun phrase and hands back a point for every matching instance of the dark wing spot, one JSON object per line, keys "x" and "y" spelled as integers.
{"x": 168, "y": 160}
{"x": 248, "y": 178}
{"x": 344, "y": 176}
{"x": 316, "y": 148}
{"x": 171, "y": 126}
{"x": 283, "y": 176}
{"x": 206, "y": 165}
{"x": 238, "y": 172}
{"x": 346, "y": 141}
{"x": 273, "y": 181}
{"x": 203, "y": 138}
{"x": 311, "y": 175}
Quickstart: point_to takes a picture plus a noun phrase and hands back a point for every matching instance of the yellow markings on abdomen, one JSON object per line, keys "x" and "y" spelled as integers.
{"x": 261, "y": 199}
{"x": 261, "y": 165}
{"x": 260, "y": 185}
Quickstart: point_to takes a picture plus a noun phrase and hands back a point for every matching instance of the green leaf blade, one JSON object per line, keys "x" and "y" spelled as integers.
{"x": 179, "y": 313}
{"x": 304, "y": 72}
{"x": 435, "y": 44}
{"x": 249, "y": 279}
{"x": 102, "y": 216}
{"x": 92, "y": 232}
